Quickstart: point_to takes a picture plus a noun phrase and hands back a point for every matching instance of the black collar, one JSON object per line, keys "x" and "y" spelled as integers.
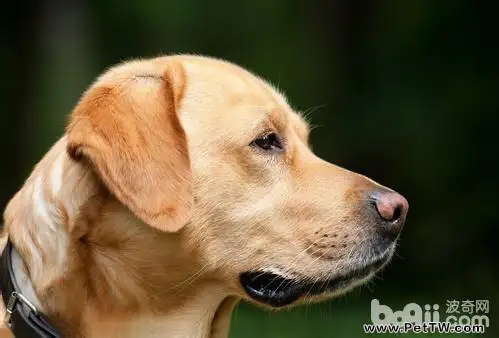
{"x": 24, "y": 320}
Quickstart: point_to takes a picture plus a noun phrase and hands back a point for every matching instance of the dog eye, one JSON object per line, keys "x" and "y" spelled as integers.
{"x": 269, "y": 142}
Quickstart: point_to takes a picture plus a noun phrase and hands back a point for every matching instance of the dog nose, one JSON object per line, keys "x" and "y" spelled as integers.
{"x": 391, "y": 206}
{"x": 392, "y": 209}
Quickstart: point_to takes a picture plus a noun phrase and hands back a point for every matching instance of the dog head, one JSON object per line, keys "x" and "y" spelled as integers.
{"x": 203, "y": 148}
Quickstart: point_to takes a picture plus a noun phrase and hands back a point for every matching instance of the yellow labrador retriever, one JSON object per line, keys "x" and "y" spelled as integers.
{"x": 184, "y": 184}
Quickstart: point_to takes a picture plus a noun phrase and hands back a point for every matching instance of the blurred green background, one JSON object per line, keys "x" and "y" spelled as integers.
{"x": 402, "y": 91}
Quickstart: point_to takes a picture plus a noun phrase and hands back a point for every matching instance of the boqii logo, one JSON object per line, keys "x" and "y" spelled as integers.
{"x": 460, "y": 317}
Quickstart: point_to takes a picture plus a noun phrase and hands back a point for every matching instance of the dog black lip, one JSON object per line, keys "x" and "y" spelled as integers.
{"x": 277, "y": 291}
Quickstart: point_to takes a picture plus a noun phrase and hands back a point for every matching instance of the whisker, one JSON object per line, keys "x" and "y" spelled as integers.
{"x": 185, "y": 283}
{"x": 292, "y": 263}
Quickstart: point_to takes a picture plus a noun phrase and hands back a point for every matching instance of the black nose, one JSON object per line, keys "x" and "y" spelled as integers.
{"x": 392, "y": 210}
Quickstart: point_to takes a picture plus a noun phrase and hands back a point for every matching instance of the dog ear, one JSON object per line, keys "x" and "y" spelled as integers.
{"x": 127, "y": 128}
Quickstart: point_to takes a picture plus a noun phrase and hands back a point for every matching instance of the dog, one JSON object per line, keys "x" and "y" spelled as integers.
{"x": 182, "y": 185}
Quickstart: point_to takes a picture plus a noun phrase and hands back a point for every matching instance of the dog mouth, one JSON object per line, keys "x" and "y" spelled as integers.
{"x": 275, "y": 290}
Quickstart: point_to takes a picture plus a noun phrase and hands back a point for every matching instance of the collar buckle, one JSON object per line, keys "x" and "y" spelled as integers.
{"x": 15, "y": 298}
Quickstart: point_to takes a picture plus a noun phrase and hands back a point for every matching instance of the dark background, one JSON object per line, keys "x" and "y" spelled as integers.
{"x": 401, "y": 91}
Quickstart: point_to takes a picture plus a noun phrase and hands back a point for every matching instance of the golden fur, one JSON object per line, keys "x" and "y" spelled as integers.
{"x": 138, "y": 221}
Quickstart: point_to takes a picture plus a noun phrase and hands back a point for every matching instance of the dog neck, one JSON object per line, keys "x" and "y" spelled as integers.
{"x": 157, "y": 293}
{"x": 96, "y": 269}
{"x": 193, "y": 320}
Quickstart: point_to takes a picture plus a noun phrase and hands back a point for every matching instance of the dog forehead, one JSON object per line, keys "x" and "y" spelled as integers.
{"x": 217, "y": 81}
{"x": 220, "y": 94}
